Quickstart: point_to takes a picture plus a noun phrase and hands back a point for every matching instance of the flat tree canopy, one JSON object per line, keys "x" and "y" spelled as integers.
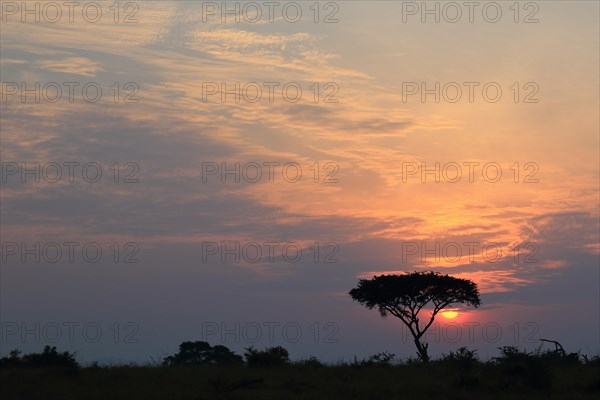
{"x": 405, "y": 295}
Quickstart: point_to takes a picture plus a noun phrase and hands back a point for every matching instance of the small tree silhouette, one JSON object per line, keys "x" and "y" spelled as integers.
{"x": 270, "y": 357}
{"x": 48, "y": 358}
{"x": 202, "y": 353}
{"x": 404, "y": 296}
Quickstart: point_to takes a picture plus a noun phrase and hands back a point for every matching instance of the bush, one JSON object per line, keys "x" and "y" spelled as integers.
{"x": 591, "y": 361}
{"x": 512, "y": 354}
{"x": 201, "y": 353}
{"x": 270, "y": 357}
{"x": 49, "y": 357}
{"x": 376, "y": 360}
{"x": 462, "y": 357}
{"x": 310, "y": 362}
{"x": 524, "y": 368}
{"x": 381, "y": 359}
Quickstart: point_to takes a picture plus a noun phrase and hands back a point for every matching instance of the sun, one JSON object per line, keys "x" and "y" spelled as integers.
{"x": 450, "y": 314}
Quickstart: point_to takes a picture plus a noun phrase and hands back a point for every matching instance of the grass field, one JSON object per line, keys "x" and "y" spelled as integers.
{"x": 437, "y": 380}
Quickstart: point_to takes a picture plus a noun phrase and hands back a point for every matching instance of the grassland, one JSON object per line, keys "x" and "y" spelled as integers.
{"x": 436, "y": 380}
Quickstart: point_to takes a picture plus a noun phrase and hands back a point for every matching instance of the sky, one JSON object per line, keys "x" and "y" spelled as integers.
{"x": 178, "y": 170}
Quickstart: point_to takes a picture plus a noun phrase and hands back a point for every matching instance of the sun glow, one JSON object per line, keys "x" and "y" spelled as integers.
{"x": 450, "y": 314}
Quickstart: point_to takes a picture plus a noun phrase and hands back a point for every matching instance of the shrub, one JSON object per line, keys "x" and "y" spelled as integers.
{"x": 310, "y": 362}
{"x": 378, "y": 360}
{"x": 49, "y": 357}
{"x": 270, "y": 357}
{"x": 462, "y": 357}
{"x": 201, "y": 353}
{"x": 524, "y": 368}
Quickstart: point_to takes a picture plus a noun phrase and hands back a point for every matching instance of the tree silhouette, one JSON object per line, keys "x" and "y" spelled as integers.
{"x": 405, "y": 295}
{"x": 270, "y": 357}
{"x": 202, "y": 353}
{"x": 48, "y": 358}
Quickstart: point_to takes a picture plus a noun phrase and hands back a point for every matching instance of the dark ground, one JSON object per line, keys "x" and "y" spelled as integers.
{"x": 409, "y": 381}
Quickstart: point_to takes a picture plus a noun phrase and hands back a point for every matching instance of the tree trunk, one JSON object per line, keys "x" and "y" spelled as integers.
{"x": 422, "y": 350}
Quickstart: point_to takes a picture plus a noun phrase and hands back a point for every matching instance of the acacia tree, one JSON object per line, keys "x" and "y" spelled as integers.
{"x": 405, "y": 295}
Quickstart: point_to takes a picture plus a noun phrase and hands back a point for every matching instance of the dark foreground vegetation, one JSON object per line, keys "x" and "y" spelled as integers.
{"x": 200, "y": 371}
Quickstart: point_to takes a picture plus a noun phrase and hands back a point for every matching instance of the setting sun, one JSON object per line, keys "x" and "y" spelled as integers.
{"x": 450, "y": 314}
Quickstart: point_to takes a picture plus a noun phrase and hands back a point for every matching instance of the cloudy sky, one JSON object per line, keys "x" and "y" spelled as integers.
{"x": 177, "y": 170}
